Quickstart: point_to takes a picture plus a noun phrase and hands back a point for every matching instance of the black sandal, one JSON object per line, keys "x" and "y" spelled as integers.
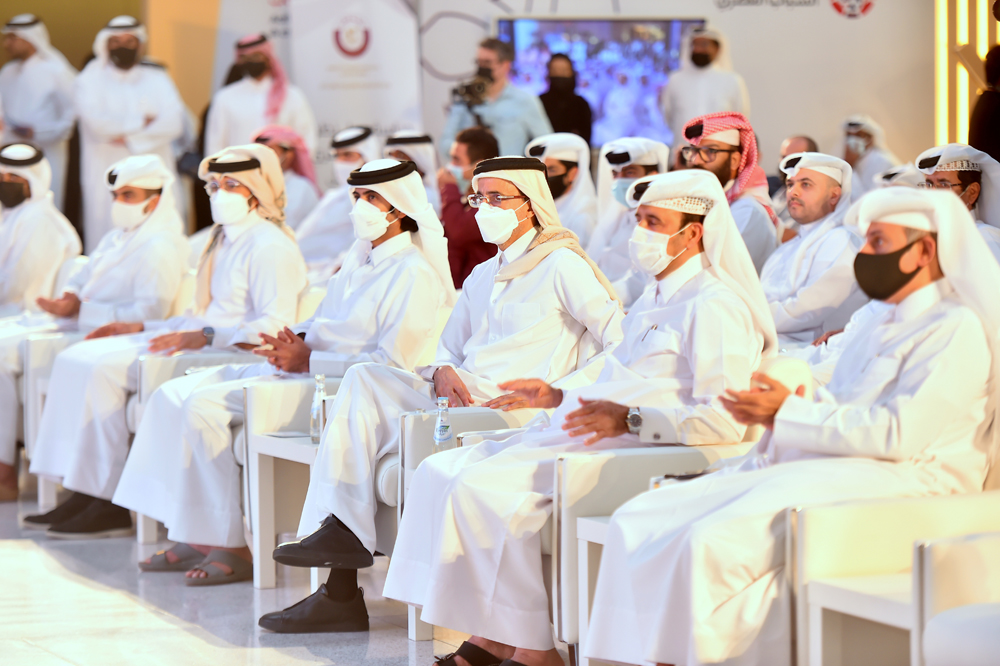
{"x": 510, "y": 662}
{"x": 473, "y": 654}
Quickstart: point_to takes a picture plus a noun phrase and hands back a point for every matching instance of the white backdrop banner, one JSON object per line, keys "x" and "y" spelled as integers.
{"x": 808, "y": 64}
{"x": 358, "y": 63}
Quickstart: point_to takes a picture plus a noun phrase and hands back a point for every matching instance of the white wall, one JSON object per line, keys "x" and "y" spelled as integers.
{"x": 806, "y": 66}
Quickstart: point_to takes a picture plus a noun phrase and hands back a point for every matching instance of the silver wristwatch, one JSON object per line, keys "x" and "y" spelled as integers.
{"x": 634, "y": 420}
{"x": 209, "y": 334}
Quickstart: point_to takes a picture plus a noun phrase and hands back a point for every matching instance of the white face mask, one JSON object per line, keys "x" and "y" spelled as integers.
{"x": 497, "y": 224}
{"x": 369, "y": 222}
{"x": 344, "y": 169}
{"x": 128, "y": 216}
{"x": 856, "y": 145}
{"x": 229, "y": 208}
{"x": 459, "y": 173}
{"x": 648, "y": 250}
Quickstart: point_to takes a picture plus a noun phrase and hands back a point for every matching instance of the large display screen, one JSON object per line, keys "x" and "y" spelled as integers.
{"x": 621, "y": 65}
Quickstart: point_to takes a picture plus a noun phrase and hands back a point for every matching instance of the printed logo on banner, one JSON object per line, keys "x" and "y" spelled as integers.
{"x": 732, "y": 4}
{"x": 853, "y": 8}
{"x": 352, "y": 36}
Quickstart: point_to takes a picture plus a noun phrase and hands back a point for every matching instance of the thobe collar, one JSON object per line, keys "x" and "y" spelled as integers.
{"x": 234, "y": 231}
{"x": 922, "y": 300}
{"x": 517, "y": 248}
{"x": 670, "y": 285}
{"x": 393, "y": 246}
{"x": 806, "y": 229}
{"x": 264, "y": 83}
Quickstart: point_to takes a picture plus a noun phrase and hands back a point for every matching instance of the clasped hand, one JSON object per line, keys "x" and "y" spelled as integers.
{"x": 287, "y": 351}
{"x": 761, "y": 403}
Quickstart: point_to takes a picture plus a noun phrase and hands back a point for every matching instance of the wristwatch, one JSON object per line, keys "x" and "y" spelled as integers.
{"x": 634, "y": 420}
{"x": 209, "y": 334}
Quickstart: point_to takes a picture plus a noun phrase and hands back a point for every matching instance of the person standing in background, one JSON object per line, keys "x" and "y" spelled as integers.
{"x": 126, "y": 106}
{"x": 37, "y": 85}
{"x": 984, "y": 126}
{"x": 301, "y": 190}
{"x": 514, "y": 116}
{"x": 567, "y": 111}
{"x": 704, "y": 84}
{"x": 466, "y": 247}
{"x": 262, "y": 97}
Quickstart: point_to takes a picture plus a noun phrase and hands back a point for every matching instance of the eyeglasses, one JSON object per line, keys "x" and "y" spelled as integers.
{"x": 943, "y": 185}
{"x": 227, "y": 184}
{"x": 477, "y": 200}
{"x": 705, "y": 154}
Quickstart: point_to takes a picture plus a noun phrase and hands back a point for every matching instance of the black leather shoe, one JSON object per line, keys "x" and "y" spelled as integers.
{"x": 100, "y": 519}
{"x": 318, "y": 613}
{"x": 332, "y": 546}
{"x": 76, "y": 503}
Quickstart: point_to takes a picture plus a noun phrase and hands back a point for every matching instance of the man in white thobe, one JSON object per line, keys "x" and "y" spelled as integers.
{"x": 326, "y": 234}
{"x": 904, "y": 175}
{"x": 693, "y": 573}
{"x": 248, "y": 283}
{"x": 623, "y": 162}
{"x": 381, "y": 307}
{"x": 301, "y": 191}
{"x": 126, "y": 107}
{"x": 264, "y": 96}
{"x": 972, "y": 175}
{"x": 866, "y": 150}
{"x": 726, "y": 145}
{"x": 35, "y": 238}
{"x": 809, "y": 280}
{"x": 793, "y": 144}
{"x": 705, "y": 83}
{"x": 134, "y": 274}
{"x": 541, "y": 308}
{"x": 567, "y": 170}
{"x": 37, "y": 86}
{"x": 417, "y": 147}
{"x": 469, "y": 546}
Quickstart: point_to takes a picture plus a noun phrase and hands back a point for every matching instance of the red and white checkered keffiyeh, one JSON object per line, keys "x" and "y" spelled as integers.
{"x": 259, "y": 43}
{"x": 750, "y": 177}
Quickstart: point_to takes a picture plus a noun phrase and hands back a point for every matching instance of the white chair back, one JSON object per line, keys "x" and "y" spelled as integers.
{"x": 185, "y": 293}
{"x": 309, "y": 301}
{"x": 66, "y": 271}
{"x": 427, "y": 358}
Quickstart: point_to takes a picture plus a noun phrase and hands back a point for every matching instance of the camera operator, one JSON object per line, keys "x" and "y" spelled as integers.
{"x": 513, "y": 115}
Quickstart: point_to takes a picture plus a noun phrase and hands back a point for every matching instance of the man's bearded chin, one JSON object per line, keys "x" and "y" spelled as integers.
{"x": 718, "y": 171}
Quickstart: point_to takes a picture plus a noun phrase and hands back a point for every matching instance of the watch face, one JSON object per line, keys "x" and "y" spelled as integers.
{"x": 634, "y": 420}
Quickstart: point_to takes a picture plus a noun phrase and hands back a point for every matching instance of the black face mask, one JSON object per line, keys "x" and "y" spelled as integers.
{"x": 557, "y": 185}
{"x": 485, "y": 73}
{"x": 701, "y": 59}
{"x": 12, "y": 194}
{"x": 879, "y": 275}
{"x": 122, "y": 57}
{"x": 563, "y": 85}
{"x": 254, "y": 67}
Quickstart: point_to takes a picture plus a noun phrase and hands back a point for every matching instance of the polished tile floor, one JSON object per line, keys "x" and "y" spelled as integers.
{"x": 84, "y": 603}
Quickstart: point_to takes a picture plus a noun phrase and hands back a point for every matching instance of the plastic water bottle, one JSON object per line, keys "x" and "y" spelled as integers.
{"x": 444, "y": 438}
{"x": 317, "y": 413}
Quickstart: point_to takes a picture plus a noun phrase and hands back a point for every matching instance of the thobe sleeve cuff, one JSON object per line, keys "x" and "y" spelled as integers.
{"x": 427, "y": 371}
{"x": 227, "y": 337}
{"x": 97, "y": 314}
{"x": 329, "y": 364}
{"x": 156, "y": 325}
{"x": 658, "y": 426}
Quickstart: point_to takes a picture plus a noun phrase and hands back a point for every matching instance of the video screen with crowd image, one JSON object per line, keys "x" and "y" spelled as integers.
{"x": 621, "y": 65}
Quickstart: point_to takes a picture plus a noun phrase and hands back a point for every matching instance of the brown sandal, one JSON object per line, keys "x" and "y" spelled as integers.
{"x": 475, "y": 655}
{"x": 241, "y": 569}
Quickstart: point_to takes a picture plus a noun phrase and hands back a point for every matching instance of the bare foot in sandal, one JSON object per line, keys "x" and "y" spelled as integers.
{"x": 242, "y": 553}
{"x": 498, "y": 650}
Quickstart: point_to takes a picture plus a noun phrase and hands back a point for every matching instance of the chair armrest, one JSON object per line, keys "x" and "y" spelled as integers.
{"x": 957, "y": 571}
{"x": 284, "y": 404}
{"x": 156, "y": 370}
{"x": 596, "y": 484}
{"x": 479, "y": 436}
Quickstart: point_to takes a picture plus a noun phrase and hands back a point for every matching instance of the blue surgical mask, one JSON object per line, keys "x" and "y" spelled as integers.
{"x": 620, "y": 190}
{"x": 459, "y": 173}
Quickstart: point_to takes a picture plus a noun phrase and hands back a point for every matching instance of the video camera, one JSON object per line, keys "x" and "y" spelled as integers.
{"x": 473, "y": 92}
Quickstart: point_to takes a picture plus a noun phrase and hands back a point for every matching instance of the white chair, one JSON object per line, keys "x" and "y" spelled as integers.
{"x": 277, "y": 465}
{"x": 870, "y": 577}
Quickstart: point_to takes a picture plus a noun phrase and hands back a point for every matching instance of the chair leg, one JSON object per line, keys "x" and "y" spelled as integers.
{"x": 47, "y": 490}
{"x": 417, "y": 629}
{"x": 147, "y": 530}
{"x": 265, "y": 569}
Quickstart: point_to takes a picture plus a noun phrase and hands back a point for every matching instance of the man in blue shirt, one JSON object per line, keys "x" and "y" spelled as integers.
{"x": 513, "y": 115}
